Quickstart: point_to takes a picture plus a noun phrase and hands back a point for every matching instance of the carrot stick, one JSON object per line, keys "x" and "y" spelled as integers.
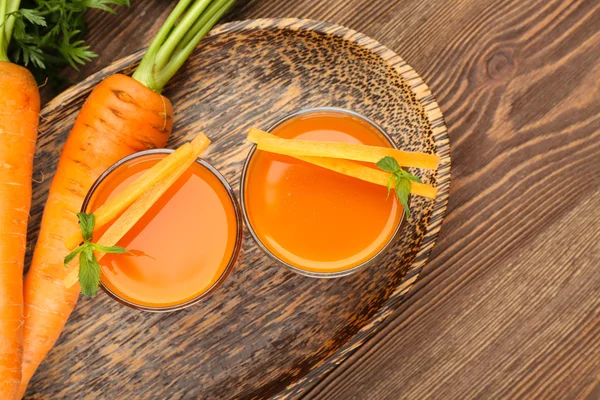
{"x": 109, "y": 210}
{"x": 366, "y": 174}
{"x": 142, "y": 204}
{"x": 20, "y": 107}
{"x": 120, "y": 117}
{"x": 348, "y": 151}
{"x": 340, "y": 165}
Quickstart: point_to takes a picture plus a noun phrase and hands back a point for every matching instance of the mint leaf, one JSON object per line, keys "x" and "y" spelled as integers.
{"x": 388, "y": 164}
{"x": 87, "y": 223}
{"x": 89, "y": 268}
{"x": 89, "y": 274}
{"x": 403, "y": 192}
{"x": 390, "y": 185}
{"x": 88, "y": 250}
{"x": 410, "y": 176}
{"x": 73, "y": 254}
{"x": 111, "y": 249}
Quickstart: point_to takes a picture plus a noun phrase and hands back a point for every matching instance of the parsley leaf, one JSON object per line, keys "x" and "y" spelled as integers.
{"x": 47, "y": 35}
{"x": 31, "y": 15}
{"x": 104, "y": 5}
{"x": 75, "y": 53}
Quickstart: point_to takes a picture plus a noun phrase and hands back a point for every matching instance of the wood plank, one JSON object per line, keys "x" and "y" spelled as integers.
{"x": 508, "y": 306}
{"x": 523, "y": 326}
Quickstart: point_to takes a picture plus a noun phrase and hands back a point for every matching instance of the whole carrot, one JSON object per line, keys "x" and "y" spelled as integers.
{"x": 122, "y": 115}
{"x": 20, "y": 107}
{"x": 19, "y": 116}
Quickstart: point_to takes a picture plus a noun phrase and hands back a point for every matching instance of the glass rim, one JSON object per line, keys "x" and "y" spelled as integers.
{"x": 314, "y": 274}
{"x": 238, "y": 237}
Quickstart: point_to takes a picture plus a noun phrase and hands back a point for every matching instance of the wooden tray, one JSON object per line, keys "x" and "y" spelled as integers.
{"x": 266, "y": 331}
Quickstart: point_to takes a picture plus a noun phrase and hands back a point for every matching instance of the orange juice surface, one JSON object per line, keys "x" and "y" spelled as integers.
{"x": 183, "y": 244}
{"x": 312, "y": 218}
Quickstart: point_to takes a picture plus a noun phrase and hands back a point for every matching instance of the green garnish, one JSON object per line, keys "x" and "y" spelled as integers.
{"x": 89, "y": 269}
{"x": 399, "y": 180}
{"x": 48, "y": 34}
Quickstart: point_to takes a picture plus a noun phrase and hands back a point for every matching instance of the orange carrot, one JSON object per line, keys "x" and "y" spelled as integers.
{"x": 19, "y": 107}
{"x": 364, "y": 173}
{"x": 348, "y": 151}
{"x": 336, "y": 157}
{"x": 120, "y": 117}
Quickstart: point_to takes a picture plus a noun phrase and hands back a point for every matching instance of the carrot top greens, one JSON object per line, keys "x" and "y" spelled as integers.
{"x": 47, "y": 34}
{"x": 44, "y": 35}
{"x": 180, "y": 34}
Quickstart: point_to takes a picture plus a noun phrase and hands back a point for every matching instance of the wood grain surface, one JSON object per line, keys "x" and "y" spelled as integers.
{"x": 508, "y": 305}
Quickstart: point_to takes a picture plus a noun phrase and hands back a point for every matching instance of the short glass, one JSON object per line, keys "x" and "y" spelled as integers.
{"x": 238, "y": 239}
{"x": 244, "y": 184}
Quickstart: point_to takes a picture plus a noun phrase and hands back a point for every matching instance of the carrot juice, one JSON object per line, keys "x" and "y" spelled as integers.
{"x": 313, "y": 219}
{"x": 181, "y": 248}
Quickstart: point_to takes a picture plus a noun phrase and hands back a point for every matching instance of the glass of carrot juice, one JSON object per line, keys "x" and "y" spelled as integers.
{"x": 317, "y": 222}
{"x": 182, "y": 249}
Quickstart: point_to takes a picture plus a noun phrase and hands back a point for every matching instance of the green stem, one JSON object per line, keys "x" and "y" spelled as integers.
{"x": 176, "y": 41}
{"x": 144, "y": 72}
{"x": 212, "y": 15}
{"x": 3, "y": 38}
{"x": 10, "y": 22}
{"x": 200, "y": 23}
{"x": 164, "y": 54}
{"x": 7, "y": 7}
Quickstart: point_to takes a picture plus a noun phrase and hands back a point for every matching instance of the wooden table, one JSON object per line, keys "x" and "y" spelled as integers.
{"x": 509, "y": 304}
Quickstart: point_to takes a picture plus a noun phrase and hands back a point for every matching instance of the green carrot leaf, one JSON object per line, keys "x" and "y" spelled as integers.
{"x": 75, "y": 52}
{"x": 32, "y": 15}
{"x": 388, "y": 164}
{"x": 105, "y": 5}
{"x": 47, "y": 35}
{"x": 89, "y": 274}
{"x": 403, "y": 192}
{"x": 86, "y": 223}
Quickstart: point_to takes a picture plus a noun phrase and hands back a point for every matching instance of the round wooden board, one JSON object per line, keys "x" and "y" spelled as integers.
{"x": 266, "y": 331}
